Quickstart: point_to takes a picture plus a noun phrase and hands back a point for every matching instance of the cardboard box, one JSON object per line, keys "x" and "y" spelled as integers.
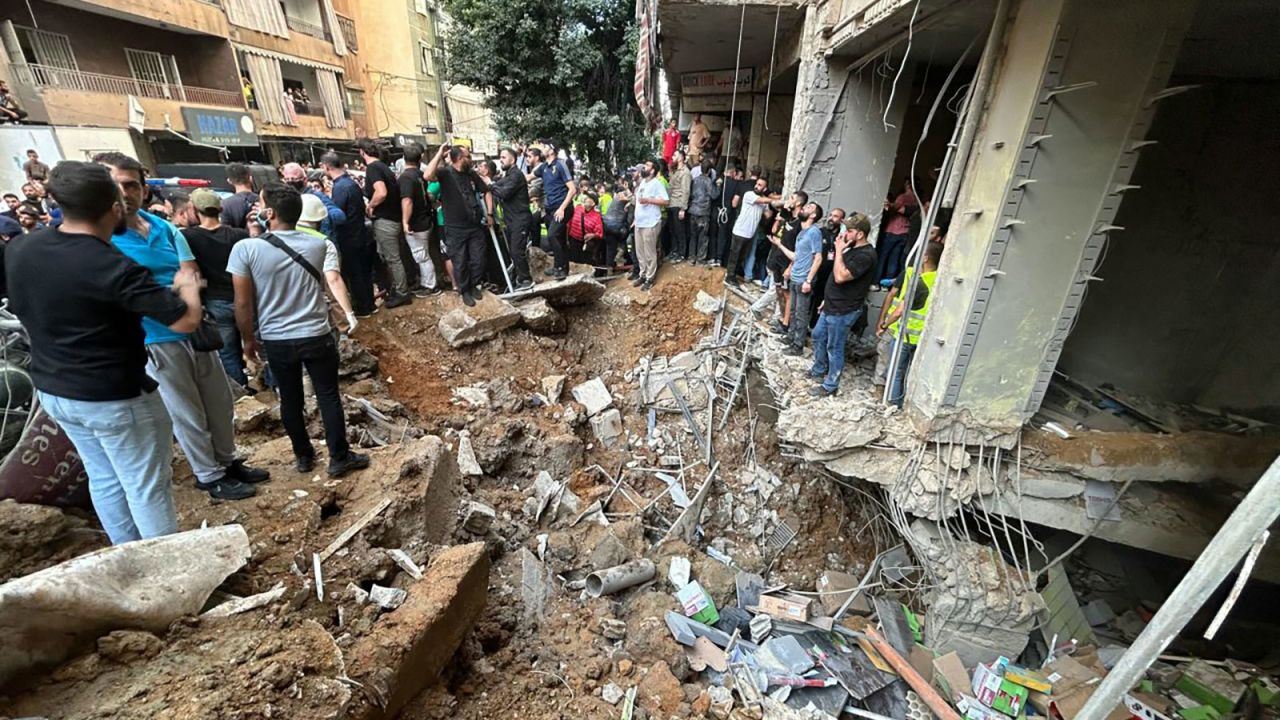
{"x": 951, "y": 678}
{"x": 992, "y": 690}
{"x": 788, "y": 607}
{"x": 1029, "y": 679}
{"x": 974, "y": 710}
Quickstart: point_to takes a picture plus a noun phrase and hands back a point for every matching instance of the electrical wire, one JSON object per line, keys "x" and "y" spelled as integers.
{"x": 772, "y": 55}
{"x": 911, "y": 27}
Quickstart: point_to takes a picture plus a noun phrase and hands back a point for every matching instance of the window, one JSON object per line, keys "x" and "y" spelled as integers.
{"x": 355, "y": 101}
{"x": 158, "y": 71}
{"x": 428, "y": 59}
{"x": 348, "y": 28}
{"x": 420, "y": 6}
{"x": 46, "y": 48}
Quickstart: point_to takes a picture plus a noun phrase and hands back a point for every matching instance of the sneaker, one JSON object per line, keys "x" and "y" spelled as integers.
{"x": 732, "y": 280}
{"x": 365, "y": 314}
{"x": 477, "y": 294}
{"x": 468, "y": 300}
{"x": 560, "y": 274}
{"x": 434, "y": 291}
{"x": 225, "y": 489}
{"x": 398, "y": 301}
{"x": 677, "y": 259}
{"x": 777, "y": 328}
{"x": 353, "y": 461}
{"x": 818, "y": 376}
{"x": 304, "y": 463}
{"x": 647, "y": 285}
{"x": 422, "y": 293}
{"x": 637, "y": 281}
{"x": 821, "y": 391}
{"x": 524, "y": 285}
{"x": 550, "y": 272}
{"x": 237, "y": 470}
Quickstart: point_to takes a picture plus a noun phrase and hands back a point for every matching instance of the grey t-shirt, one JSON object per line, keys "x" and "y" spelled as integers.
{"x": 291, "y": 305}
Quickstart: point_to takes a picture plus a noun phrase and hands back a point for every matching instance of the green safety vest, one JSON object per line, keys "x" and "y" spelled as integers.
{"x": 915, "y": 318}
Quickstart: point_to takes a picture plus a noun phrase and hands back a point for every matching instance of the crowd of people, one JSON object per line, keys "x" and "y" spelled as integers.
{"x": 150, "y": 308}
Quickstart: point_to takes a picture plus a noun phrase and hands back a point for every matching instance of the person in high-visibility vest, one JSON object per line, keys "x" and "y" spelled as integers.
{"x": 892, "y": 330}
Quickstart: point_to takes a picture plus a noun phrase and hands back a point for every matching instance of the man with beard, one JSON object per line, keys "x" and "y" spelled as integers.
{"x": 382, "y": 205}
{"x": 512, "y": 190}
{"x": 651, "y": 197}
{"x": 783, "y": 239}
{"x": 558, "y": 190}
{"x": 415, "y": 212}
{"x": 461, "y": 188}
{"x": 83, "y": 313}
{"x": 296, "y": 177}
{"x": 353, "y": 237}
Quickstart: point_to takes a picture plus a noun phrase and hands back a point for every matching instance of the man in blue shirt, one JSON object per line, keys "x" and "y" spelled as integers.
{"x": 193, "y": 384}
{"x": 351, "y": 236}
{"x": 295, "y": 177}
{"x": 558, "y": 192}
{"x": 806, "y": 260}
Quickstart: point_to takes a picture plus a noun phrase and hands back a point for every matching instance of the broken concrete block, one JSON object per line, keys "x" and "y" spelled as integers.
{"x": 479, "y": 518}
{"x": 464, "y": 326}
{"x": 553, "y": 387}
{"x": 474, "y": 395}
{"x": 387, "y": 598}
{"x": 576, "y": 289}
{"x": 611, "y": 694}
{"x": 706, "y": 303}
{"x": 250, "y": 414}
{"x": 613, "y": 629}
{"x": 467, "y": 463}
{"x": 607, "y": 427}
{"x": 537, "y": 315}
{"x": 407, "y": 650}
{"x": 593, "y": 395}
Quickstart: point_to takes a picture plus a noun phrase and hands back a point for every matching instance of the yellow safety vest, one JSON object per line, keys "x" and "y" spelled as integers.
{"x": 915, "y": 318}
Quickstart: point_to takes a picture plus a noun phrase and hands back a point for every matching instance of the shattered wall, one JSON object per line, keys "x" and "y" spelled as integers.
{"x": 1184, "y": 309}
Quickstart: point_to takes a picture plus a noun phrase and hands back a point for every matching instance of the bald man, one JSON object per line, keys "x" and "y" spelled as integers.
{"x": 295, "y": 177}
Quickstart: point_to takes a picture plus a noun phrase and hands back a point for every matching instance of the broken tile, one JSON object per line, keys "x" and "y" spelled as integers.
{"x": 593, "y": 395}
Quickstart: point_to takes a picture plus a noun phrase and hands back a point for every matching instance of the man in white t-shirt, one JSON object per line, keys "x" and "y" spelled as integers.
{"x": 651, "y": 197}
{"x": 279, "y": 281}
{"x": 744, "y": 228}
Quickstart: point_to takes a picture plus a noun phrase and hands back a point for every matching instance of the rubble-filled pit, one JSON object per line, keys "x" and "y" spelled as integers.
{"x": 516, "y": 661}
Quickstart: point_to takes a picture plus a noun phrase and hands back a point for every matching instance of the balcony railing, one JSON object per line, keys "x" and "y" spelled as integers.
{"x": 44, "y": 76}
{"x": 306, "y": 28}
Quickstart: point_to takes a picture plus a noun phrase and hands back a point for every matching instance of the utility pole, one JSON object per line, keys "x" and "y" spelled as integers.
{"x": 1251, "y": 518}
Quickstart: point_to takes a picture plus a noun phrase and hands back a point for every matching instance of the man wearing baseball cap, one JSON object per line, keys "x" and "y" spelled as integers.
{"x": 211, "y": 243}
{"x": 843, "y": 301}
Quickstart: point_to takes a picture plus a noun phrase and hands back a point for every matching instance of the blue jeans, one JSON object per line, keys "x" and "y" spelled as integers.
{"x": 829, "y": 337}
{"x": 232, "y": 357}
{"x": 127, "y": 449}
{"x": 898, "y": 391}
{"x": 890, "y": 251}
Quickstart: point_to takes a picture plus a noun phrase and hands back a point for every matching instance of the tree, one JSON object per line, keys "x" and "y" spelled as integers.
{"x": 559, "y": 70}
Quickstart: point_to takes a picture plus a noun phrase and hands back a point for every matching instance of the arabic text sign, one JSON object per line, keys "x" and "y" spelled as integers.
{"x": 716, "y": 82}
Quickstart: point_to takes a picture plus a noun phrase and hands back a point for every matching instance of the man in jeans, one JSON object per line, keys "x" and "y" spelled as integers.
{"x": 651, "y": 197}
{"x": 846, "y": 293}
{"x": 466, "y": 202}
{"x": 82, "y": 302}
{"x": 806, "y": 259}
{"x": 558, "y": 191}
{"x": 678, "y": 186}
{"x": 280, "y": 287}
{"x": 382, "y": 203}
{"x": 211, "y": 243}
{"x": 352, "y": 236}
{"x": 750, "y": 211}
{"x": 192, "y": 382}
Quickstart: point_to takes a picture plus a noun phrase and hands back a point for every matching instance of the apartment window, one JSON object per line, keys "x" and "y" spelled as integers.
{"x": 428, "y": 59}
{"x": 158, "y": 70}
{"x": 348, "y": 27}
{"x": 46, "y": 48}
{"x": 355, "y": 101}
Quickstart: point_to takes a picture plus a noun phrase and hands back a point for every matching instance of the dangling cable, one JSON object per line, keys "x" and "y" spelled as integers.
{"x": 772, "y": 54}
{"x": 911, "y": 27}
{"x": 733, "y": 105}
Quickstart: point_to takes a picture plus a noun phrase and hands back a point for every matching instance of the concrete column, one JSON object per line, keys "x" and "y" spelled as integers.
{"x": 755, "y": 138}
{"x": 815, "y": 93}
{"x": 1070, "y": 101}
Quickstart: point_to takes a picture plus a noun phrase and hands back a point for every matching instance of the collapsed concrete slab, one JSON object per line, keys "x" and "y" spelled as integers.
{"x": 1187, "y": 457}
{"x": 538, "y": 315}
{"x": 576, "y": 289}
{"x": 409, "y": 648}
{"x": 467, "y": 325}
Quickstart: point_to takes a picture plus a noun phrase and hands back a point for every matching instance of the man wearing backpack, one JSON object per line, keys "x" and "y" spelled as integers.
{"x": 278, "y": 284}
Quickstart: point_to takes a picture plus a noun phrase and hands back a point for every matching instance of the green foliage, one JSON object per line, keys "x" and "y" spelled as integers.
{"x": 560, "y": 70}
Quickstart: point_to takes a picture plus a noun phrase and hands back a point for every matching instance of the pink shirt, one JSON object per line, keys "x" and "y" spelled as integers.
{"x": 899, "y": 224}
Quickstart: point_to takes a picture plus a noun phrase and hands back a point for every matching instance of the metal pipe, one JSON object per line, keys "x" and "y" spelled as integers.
{"x": 497, "y": 248}
{"x": 620, "y": 577}
{"x": 977, "y": 94}
{"x": 1251, "y": 518}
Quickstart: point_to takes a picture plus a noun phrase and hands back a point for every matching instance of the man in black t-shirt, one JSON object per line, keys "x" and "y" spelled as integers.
{"x": 382, "y": 195}
{"x": 512, "y": 190}
{"x": 235, "y": 209}
{"x": 788, "y": 224}
{"x": 418, "y": 219}
{"x": 211, "y": 243}
{"x": 461, "y": 188}
{"x": 82, "y": 301}
{"x": 846, "y": 293}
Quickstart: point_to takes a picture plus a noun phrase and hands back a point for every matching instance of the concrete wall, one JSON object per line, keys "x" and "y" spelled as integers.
{"x": 193, "y": 14}
{"x": 855, "y": 162}
{"x": 1185, "y": 311}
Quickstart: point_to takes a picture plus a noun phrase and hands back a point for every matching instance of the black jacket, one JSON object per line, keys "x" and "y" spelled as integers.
{"x": 512, "y": 190}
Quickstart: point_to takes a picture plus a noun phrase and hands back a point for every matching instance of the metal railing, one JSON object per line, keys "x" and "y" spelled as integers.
{"x": 45, "y": 76}
{"x": 306, "y": 28}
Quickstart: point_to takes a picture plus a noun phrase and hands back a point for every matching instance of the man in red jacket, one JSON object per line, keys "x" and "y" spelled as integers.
{"x": 586, "y": 230}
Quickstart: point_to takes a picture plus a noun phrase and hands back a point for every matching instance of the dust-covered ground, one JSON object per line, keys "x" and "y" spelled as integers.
{"x": 545, "y": 659}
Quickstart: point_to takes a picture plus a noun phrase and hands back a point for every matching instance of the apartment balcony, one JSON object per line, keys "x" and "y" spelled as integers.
{"x": 198, "y": 16}
{"x": 299, "y": 25}
{"x": 309, "y": 125}
{"x": 43, "y": 77}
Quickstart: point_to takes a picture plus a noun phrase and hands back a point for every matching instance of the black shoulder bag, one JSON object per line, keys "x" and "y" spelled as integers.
{"x": 311, "y": 270}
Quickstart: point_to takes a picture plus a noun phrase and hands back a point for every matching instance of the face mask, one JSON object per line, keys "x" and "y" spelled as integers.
{"x": 296, "y": 184}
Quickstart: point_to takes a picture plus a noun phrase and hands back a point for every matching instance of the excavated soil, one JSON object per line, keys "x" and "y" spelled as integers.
{"x": 285, "y": 661}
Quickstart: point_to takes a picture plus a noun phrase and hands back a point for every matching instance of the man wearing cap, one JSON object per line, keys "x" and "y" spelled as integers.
{"x": 211, "y": 243}
{"x": 846, "y": 293}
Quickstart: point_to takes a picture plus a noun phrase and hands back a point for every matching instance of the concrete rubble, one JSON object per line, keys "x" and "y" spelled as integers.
{"x": 464, "y": 326}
